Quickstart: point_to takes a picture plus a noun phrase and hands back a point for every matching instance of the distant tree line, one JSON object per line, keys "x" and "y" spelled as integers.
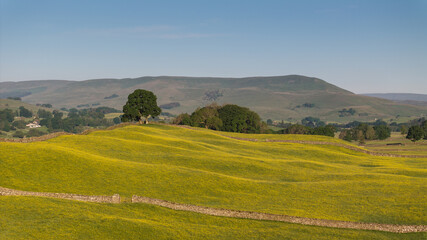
{"x": 112, "y": 96}
{"x": 46, "y": 105}
{"x": 346, "y": 112}
{"x": 170, "y": 105}
{"x": 325, "y": 130}
{"x": 363, "y": 132}
{"x": 77, "y": 120}
{"x": 306, "y": 105}
{"x": 14, "y": 98}
{"x": 229, "y": 118}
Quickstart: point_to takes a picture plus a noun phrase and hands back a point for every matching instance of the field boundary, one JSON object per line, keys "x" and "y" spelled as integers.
{"x": 85, "y": 198}
{"x": 115, "y": 199}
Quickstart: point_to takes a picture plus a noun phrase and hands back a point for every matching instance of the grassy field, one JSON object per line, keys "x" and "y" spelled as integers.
{"x": 203, "y": 168}
{"x": 44, "y": 218}
{"x": 407, "y": 148}
{"x": 112, "y": 115}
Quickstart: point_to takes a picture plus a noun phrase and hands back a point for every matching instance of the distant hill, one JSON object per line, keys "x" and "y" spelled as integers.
{"x": 405, "y": 98}
{"x": 288, "y": 98}
{"x": 399, "y": 96}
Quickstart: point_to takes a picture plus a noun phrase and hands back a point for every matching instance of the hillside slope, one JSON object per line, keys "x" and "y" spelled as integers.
{"x": 278, "y": 98}
{"x": 203, "y": 168}
{"x": 43, "y": 218}
{"x": 402, "y": 98}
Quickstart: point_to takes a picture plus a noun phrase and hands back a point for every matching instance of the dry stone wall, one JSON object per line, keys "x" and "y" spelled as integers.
{"x": 100, "y": 199}
{"x": 281, "y": 218}
{"x": 224, "y": 212}
{"x": 34, "y": 139}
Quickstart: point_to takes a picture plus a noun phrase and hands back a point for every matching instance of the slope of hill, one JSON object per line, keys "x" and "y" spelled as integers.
{"x": 402, "y": 98}
{"x": 207, "y": 169}
{"x": 278, "y": 98}
{"x": 399, "y": 96}
{"x": 43, "y": 218}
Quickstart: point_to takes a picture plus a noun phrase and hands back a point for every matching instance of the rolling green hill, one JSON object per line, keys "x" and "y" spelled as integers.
{"x": 44, "y": 218}
{"x": 278, "y": 98}
{"x": 205, "y": 168}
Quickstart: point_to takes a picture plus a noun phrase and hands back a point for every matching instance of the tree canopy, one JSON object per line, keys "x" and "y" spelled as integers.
{"x": 415, "y": 133}
{"x": 141, "y": 104}
{"x": 230, "y": 118}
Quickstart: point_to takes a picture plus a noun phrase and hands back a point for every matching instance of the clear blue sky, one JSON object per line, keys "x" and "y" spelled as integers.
{"x": 363, "y": 46}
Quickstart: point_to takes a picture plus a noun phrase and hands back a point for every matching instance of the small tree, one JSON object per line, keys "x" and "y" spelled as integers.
{"x": 21, "y": 124}
{"x": 116, "y": 120}
{"x": 415, "y": 133}
{"x": 18, "y": 134}
{"x": 34, "y": 133}
{"x": 141, "y": 104}
{"x": 183, "y": 119}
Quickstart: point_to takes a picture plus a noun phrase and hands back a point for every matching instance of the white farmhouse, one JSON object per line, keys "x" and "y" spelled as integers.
{"x": 34, "y": 124}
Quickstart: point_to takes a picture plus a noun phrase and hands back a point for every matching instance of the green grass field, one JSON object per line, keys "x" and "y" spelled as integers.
{"x": 202, "y": 167}
{"x": 44, "y": 218}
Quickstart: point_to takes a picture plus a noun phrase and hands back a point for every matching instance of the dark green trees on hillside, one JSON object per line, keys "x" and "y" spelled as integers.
{"x": 6, "y": 118}
{"x": 7, "y": 115}
{"x": 230, "y": 118}
{"x": 312, "y": 122}
{"x": 23, "y": 112}
{"x": 239, "y": 119}
{"x": 363, "y": 132}
{"x": 415, "y": 133}
{"x": 141, "y": 104}
{"x": 382, "y": 132}
{"x": 207, "y": 117}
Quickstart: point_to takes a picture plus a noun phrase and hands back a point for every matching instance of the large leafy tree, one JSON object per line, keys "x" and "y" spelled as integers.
{"x": 141, "y": 104}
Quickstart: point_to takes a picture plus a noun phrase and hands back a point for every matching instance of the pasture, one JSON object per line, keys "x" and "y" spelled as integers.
{"x": 208, "y": 168}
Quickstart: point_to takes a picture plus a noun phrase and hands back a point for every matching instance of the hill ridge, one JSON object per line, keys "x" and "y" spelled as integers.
{"x": 274, "y": 97}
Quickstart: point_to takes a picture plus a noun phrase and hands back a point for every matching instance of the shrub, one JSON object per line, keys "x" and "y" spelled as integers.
{"x": 18, "y": 134}
{"x": 183, "y": 119}
{"x": 34, "y": 133}
{"x": 21, "y": 124}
